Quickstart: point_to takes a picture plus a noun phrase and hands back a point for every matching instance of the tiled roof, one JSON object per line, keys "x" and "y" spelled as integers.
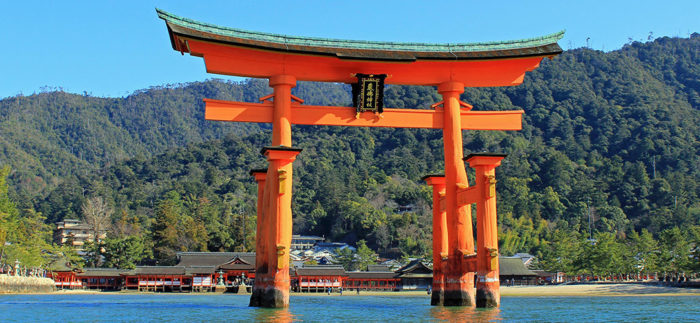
{"x": 188, "y": 259}
{"x": 371, "y": 275}
{"x": 358, "y": 49}
{"x": 378, "y": 268}
{"x": 320, "y": 271}
{"x": 101, "y": 272}
{"x": 416, "y": 266}
{"x": 513, "y": 267}
{"x": 200, "y": 270}
{"x": 156, "y": 270}
{"x": 238, "y": 264}
{"x": 60, "y": 264}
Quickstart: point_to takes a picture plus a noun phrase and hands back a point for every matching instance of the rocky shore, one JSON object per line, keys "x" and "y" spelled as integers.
{"x": 19, "y": 284}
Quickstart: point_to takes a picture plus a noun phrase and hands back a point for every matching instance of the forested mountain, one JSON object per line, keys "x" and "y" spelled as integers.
{"x": 610, "y": 137}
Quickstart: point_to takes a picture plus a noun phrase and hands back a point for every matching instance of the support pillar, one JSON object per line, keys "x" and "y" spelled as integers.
{"x": 260, "y": 263}
{"x": 488, "y": 286}
{"x": 282, "y": 116}
{"x": 271, "y": 287}
{"x": 459, "y": 278}
{"x": 440, "y": 239}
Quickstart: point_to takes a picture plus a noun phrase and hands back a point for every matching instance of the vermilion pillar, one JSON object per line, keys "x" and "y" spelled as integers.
{"x": 260, "y": 175}
{"x": 271, "y": 287}
{"x": 459, "y": 280}
{"x": 440, "y": 239}
{"x": 282, "y": 116}
{"x": 487, "y": 284}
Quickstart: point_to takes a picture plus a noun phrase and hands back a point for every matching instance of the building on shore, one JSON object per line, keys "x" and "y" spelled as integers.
{"x": 230, "y": 271}
{"x": 513, "y": 272}
{"x": 416, "y": 275}
{"x": 377, "y": 277}
{"x": 305, "y": 242}
{"x": 75, "y": 233}
{"x": 317, "y": 278}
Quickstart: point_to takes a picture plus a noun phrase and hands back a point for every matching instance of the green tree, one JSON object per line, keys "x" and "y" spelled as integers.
{"x": 676, "y": 252}
{"x": 165, "y": 231}
{"x": 646, "y": 251}
{"x": 605, "y": 256}
{"x": 561, "y": 251}
{"x": 125, "y": 252}
{"x": 346, "y": 258}
{"x": 8, "y": 214}
{"x": 364, "y": 256}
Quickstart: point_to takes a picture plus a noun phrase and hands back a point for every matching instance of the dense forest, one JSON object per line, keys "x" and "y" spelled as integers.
{"x": 602, "y": 178}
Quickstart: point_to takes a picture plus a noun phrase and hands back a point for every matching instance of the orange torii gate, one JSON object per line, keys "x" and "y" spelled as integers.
{"x": 284, "y": 60}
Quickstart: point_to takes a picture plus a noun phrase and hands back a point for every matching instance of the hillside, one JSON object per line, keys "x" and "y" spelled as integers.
{"x": 613, "y": 135}
{"x": 49, "y": 136}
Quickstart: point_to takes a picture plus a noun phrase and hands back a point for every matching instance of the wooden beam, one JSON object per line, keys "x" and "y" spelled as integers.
{"x": 468, "y": 196}
{"x": 345, "y": 116}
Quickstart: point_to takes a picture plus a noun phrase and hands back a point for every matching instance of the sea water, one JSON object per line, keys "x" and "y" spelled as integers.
{"x": 234, "y": 308}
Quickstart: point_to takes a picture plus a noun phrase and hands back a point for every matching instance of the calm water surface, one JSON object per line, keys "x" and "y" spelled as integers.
{"x": 219, "y": 308}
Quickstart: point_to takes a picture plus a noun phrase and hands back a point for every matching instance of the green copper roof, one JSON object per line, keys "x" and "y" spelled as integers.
{"x": 194, "y": 28}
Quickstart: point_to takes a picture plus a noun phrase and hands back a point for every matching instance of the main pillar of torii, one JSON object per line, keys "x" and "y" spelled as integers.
{"x": 285, "y": 60}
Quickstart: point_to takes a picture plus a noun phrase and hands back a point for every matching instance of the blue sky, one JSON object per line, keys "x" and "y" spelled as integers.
{"x": 111, "y": 48}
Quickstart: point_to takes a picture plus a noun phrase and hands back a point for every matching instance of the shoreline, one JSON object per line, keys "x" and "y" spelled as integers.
{"x": 577, "y": 290}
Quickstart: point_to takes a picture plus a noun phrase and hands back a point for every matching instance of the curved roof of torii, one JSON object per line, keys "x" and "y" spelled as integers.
{"x": 372, "y": 57}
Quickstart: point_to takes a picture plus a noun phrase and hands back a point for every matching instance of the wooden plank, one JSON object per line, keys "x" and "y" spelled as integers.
{"x": 345, "y": 116}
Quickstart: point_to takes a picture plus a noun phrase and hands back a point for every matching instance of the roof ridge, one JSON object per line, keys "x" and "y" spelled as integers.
{"x": 214, "y": 253}
{"x": 358, "y": 44}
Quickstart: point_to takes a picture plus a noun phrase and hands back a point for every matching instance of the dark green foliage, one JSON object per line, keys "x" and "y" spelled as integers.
{"x": 125, "y": 252}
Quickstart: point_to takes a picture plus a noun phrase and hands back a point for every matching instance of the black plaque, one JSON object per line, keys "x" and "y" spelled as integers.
{"x": 368, "y": 93}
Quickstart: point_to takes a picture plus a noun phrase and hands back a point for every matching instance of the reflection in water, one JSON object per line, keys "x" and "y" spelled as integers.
{"x": 276, "y": 315}
{"x": 464, "y": 314}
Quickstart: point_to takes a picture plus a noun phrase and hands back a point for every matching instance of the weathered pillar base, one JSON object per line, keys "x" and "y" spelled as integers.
{"x": 488, "y": 297}
{"x": 269, "y": 297}
{"x": 437, "y": 297}
{"x": 458, "y": 298}
{"x": 459, "y": 294}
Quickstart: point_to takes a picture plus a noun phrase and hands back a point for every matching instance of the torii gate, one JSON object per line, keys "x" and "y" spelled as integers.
{"x": 284, "y": 60}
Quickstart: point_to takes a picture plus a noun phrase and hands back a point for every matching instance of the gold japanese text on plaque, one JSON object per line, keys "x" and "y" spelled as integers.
{"x": 368, "y": 93}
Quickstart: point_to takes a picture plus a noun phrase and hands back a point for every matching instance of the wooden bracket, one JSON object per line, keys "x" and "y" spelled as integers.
{"x": 493, "y": 263}
{"x": 466, "y": 105}
{"x": 433, "y": 106}
{"x": 493, "y": 252}
{"x": 281, "y": 263}
{"x": 443, "y": 256}
{"x": 272, "y": 96}
{"x": 463, "y": 104}
{"x": 267, "y": 97}
{"x": 491, "y": 181}
{"x": 296, "y": 98}
{"x": 282, "y": 175}
{"x": 376, "y": 114}
{"x": 466, "y": 254}
{"x": 470, "y": 262}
